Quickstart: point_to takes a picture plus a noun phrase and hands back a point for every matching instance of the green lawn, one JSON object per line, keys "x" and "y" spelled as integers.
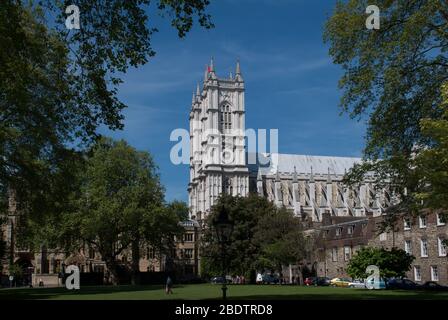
{"x": 209, "y": 291}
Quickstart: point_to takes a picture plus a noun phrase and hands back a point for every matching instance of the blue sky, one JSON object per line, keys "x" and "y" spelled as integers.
{"x": 291, "y": 83}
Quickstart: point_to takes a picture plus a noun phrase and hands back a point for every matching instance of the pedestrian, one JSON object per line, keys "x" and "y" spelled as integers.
{"x": 169, "y": 285}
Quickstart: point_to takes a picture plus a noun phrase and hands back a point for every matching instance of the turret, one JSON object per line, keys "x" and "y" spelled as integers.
{"x": 278, "y": 190}
{"x": 329, "y": 189}
{"x": 238, "y": 75}
{"x": 295, "y": 192}
{"x": 259, "y": 183}
{"x": 211, "y": 69}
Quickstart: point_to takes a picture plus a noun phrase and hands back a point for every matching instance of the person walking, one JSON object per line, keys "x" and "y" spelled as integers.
{"x": 169, "y": 285}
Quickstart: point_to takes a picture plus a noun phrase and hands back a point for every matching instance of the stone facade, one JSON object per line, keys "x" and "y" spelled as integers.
{"x": 217, "y": 145}
{"x": 45, "y": 264}
{"x": 337, "y": 240}
{"x": 308, "y": 185}
{"x": 422, "y": 237}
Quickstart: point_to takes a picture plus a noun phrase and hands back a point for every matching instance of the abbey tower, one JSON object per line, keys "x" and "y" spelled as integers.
{"x": 217, "y": 145}
{"x": 310, "y": 186}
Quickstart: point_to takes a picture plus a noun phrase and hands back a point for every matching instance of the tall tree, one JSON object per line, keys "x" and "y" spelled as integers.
{"x": 392, "y": 263}
{"x": 263, "y": 236}
{"x": 281, "y": 238}
{"x": 392, "y": 77}
{"x": 431, "y": 164}
{"x": 119, "y": 206}
{"x": 58, "y": 85}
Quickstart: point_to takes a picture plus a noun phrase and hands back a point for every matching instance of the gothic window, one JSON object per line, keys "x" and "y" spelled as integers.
{"x": 226, "y": 117}
{"x": 228, "y": 189}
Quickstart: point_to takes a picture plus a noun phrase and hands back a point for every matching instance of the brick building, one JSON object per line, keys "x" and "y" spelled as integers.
{"x": 338, "y": 239}
{"x": 46, "y": 263}
{"x": 423, "y": 237}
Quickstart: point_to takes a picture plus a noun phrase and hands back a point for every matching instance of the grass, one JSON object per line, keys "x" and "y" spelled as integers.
{"x": 209, "y": 291}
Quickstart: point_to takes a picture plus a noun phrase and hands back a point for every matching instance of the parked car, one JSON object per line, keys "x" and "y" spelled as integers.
{"x": 322, "y": 281}
{"x": 402, "y": 284}
{"x": 359, "y": 284}
{"x": 433, "y": 286}
{"x": 270, "y": 279}
{"x": 218, "y": 280}
{"x": 339, "y": 282}
{"x": 310, "y": 281}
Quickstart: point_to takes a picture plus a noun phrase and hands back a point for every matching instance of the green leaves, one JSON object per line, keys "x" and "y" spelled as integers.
{"x": 431, "y": 163}
{"x": 392, "y": 78}
{"x": 57, "y": 86}
{"x": 393, "y": 263}
{"x": 391, "y": 75}
{"x": 264, "y": 237}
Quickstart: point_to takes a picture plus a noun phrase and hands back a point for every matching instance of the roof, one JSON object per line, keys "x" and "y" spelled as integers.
{"x": 190, "y": 223}
{"x": 270, "y": 163}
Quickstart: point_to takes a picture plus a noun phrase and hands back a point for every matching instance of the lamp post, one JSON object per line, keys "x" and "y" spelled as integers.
{"x": 223, "y": 228}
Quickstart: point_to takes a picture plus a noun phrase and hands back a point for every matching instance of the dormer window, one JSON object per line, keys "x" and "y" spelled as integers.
{"x": 350, "y": 229}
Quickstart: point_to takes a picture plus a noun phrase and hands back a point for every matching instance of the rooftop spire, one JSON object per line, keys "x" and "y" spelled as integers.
{"x": 192, "y": 100}
{"x": 198, "y": 92}
{"x": 212, "y": 65}
{"x": 238, "y": 76}
{"x": 211, "y": 69}
{"x": 294, "y": 175}
{"x": 311, "y": 175}
{"x": 206, "y": 73}
{"x": 328, "y": 176}
{"x": 277, "y": 176}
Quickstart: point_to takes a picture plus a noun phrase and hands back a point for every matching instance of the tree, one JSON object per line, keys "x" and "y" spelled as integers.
{"x": 16, "y": 271}
{"x": 392, "y": 76}
{"x": 57, "y": 86}
{"x": 117, "y": 208}
{"x": 281, "y": 238}
{"x": 431, "y": 164}
{"x": 263, "y": 237}
{"x": 180, "y": 209}
{"x": 2, "y": 247}
{"x": 243, "y": 252}
{"x": 393, "y": 263}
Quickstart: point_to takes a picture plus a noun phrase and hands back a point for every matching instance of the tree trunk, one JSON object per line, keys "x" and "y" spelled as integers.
{"x": 135, "y": 276}
{"x": 253, "y": 277}
{"x": 112, "y": 268}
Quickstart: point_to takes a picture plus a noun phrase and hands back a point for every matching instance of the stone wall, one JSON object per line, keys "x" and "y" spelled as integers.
{"x": 333, "y": 246}
{"x": 414, "y": 235}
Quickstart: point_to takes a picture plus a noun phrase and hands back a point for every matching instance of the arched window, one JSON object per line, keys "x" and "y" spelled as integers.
{"x": 228, "y": 189}
{"x": 226, "y": 117}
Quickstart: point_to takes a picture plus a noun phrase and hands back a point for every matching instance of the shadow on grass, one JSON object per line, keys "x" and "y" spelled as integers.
{"x": 191, "y": 291}
{"x": 49, "y": 293}
{"x": 404, "y": 296}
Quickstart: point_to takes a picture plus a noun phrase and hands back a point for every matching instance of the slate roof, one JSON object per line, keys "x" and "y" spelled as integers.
{"x": 270, "y": 163}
